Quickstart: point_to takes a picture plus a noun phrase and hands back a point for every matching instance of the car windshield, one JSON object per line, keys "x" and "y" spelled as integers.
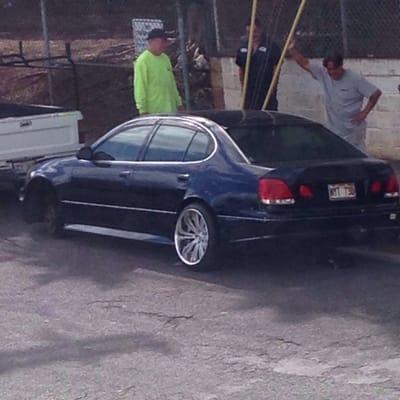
{"x": 266, "y": 144}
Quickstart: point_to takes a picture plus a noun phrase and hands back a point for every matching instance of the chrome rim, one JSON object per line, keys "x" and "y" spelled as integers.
{"x": 191, "y": 236}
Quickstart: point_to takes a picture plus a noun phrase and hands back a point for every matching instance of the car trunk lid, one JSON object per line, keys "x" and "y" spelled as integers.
{"x": 336, "y": 184}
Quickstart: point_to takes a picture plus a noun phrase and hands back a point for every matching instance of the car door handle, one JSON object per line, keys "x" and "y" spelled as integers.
{"x": 125, "y": 174}
{"x": 183, "y": 177}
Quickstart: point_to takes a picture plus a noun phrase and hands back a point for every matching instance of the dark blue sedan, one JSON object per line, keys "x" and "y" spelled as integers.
{"x": 214, "y": 178}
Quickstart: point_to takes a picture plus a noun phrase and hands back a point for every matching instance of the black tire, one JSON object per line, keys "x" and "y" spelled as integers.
{"x": 53, "y": 219}
{"x": 208, "y": 261}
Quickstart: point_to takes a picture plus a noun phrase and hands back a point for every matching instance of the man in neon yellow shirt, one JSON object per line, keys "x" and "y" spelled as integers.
{"x": 155, "y": 88}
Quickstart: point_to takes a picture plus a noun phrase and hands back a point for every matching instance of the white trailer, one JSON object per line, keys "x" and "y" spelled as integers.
{"x": 31, "y": 133}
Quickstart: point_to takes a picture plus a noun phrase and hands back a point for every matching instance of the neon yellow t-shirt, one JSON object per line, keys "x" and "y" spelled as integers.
{"x": 155, "y": 88}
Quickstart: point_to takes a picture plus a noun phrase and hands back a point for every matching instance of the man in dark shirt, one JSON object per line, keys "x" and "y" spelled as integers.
{"x": 264, "y": 59}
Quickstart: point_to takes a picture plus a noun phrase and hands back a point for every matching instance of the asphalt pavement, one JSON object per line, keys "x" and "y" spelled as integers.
{"x": 90, "y": 317}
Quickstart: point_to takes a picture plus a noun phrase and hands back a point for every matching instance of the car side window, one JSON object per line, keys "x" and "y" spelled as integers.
{"x": 200, "y": 147}
{"x": 169, "y": 143}
{"x": 123, "y": 146}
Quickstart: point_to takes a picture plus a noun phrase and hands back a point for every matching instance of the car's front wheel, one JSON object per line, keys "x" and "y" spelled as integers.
{"x": 53, "y": 219}
{"x": 196, "y": 238}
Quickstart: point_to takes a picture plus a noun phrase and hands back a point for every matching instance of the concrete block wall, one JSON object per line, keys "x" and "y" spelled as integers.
{"x": 231, "y": 83}
{"x": 299, "y": 94}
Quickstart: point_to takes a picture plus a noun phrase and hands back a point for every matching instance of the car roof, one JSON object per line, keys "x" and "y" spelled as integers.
{"x": 236, "y": 118}
{"x": 228, "y": 118}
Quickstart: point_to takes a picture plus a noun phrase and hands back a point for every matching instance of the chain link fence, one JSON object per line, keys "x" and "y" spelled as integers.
{"x": 103, "y": 47}
{"x": 100, "y": 33}
{"x": 367, "y": 28}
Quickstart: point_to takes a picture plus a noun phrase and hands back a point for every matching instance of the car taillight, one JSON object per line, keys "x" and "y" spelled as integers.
{"x": 275, "y": 192}
{"x": 392, "y": 187}
{"x": 306, "y": 192}
{"x": 376, "y": 187}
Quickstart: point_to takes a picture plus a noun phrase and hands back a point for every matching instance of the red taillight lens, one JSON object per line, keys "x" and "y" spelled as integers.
{"x": 306, "y": 192}
{"x": 392, "y": 187}
{"x": 376, "y": 187}
{"x": 275, "y": 192}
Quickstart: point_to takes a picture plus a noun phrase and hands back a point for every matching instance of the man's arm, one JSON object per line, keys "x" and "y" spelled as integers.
{"x": 140, "y": 87}
{"x": 241, "y": 76}
{"x": 178, "y": 98}
{"x": 241, "y": 57}
{"x": 316, "y": 70}
{"x": 302, "y": 61}
{"x": 277, "y": 56}
{"x": 362, "y": 115}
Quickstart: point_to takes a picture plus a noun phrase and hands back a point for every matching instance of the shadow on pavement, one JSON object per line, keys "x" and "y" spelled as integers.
{"x": 81, "y": 350}
{"x": 283, "y": 278}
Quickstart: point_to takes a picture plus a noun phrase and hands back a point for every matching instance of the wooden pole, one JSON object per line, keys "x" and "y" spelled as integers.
{"x": 285, "y": 48}
{"x": 249, "y": 53}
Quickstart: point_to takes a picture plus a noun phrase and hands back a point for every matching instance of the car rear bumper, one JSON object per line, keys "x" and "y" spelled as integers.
{"x": 246, "y": 229}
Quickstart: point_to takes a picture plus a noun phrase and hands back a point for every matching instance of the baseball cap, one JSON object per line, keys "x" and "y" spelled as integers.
{"x": 157, "y": 34}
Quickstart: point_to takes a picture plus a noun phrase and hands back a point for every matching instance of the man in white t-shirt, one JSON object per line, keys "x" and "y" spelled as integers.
{"x": 345, "y": 91}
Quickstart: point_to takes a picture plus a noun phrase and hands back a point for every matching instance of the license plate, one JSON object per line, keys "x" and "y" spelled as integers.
{"x": 22, "y": 167}
{"x": 342, "y": 191}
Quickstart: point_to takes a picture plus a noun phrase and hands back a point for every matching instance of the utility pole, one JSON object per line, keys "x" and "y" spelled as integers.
{"x": 47, "y": 48}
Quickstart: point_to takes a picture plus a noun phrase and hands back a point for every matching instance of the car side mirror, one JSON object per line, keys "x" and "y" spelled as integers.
{"x": 102, "y": 156}
{"x": 85, "y": 153}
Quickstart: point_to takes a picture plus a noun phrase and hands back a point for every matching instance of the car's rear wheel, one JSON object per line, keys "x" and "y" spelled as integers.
{"x": 53, "y": 219}
{"x": 196, "y": 238}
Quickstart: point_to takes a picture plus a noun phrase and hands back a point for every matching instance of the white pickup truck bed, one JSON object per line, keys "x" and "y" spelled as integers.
{"x": 29, "y": 133}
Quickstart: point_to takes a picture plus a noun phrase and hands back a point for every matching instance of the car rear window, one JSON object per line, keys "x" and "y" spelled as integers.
{"x": 266, "y": 144}
{"x": 169, "y": 143}
{"x": 199, "y": 148}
